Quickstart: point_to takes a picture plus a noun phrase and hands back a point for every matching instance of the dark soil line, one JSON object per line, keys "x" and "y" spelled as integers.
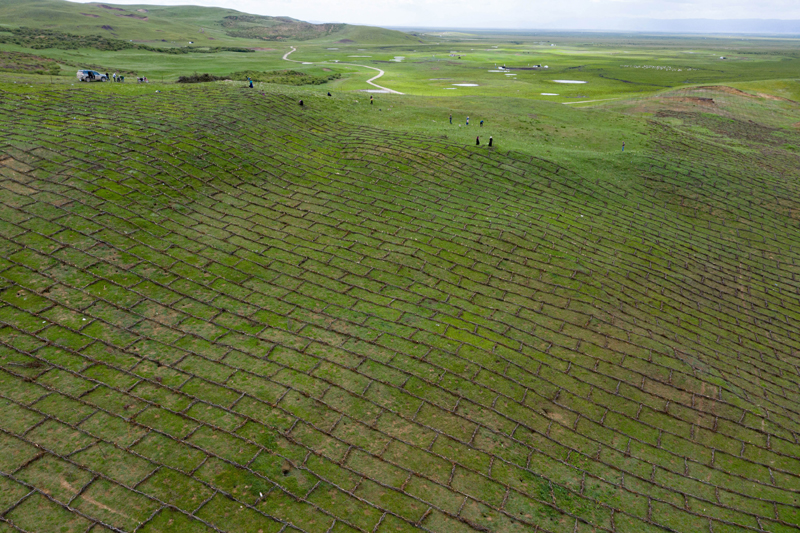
{"x": 636, "y": 82}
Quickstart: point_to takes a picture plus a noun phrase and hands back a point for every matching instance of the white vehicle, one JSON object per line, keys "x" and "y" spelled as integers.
{"x": 91, "y": 75}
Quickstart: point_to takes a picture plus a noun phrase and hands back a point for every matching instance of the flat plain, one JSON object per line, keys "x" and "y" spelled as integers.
{"x": 222, "y": 311}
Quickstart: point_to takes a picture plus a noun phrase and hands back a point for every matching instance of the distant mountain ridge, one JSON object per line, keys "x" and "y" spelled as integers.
{"x": 204, "y": 26}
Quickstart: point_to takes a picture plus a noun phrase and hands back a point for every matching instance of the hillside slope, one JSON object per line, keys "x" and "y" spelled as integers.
{"x": 221, "y": 311}
{"x": 201, "y": 25}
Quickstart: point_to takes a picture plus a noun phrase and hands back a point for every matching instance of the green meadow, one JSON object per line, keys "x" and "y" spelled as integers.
{"x": 221, "y": 311}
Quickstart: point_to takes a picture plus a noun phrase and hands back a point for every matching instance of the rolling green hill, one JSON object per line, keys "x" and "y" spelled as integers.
{"x": 162, "y": 24}
{"x": 220, "y": 311}
{"x": 224, "y": 312}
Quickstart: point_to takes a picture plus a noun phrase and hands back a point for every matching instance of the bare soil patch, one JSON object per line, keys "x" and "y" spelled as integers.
{"x": 737, "y": 92}
{"x": 726, "y": 89}
{"x": 694, "y": 100}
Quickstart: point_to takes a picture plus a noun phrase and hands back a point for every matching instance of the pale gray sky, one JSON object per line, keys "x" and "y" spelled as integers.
{"x": 510, "y": 14}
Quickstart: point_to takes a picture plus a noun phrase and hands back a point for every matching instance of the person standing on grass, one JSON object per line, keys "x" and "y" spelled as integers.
{"x": 481, "y": 123}
{"x": 251, "y": 82}
{"x": 490, "y": 140}
{"x": 623, "y": 146}
{"x": 451, "y": 118}
{"x": 478, "y": 141}
{"x": 467, "y": 121}
{"x": 371, "y": 101}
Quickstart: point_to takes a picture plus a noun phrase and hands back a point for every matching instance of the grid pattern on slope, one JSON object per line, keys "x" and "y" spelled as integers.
{"x": 353, "y": 308}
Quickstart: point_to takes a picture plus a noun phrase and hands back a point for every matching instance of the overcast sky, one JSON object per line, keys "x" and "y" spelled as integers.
{"x": 523, "y": 14}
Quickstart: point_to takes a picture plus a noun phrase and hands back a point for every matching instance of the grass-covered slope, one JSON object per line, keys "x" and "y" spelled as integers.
{"x": 353, "y": 34}
{"x": 225, "y": 312}
{"x": 180, "y": 24}
{"x": 140, "y": 23}
{"x": 29, "y": 63}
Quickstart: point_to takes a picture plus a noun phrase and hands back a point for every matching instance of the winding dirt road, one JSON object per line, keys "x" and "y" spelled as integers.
{"x": 369, "y": 81}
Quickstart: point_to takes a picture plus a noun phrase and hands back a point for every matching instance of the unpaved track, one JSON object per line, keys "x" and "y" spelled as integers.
{"x": 589, "y": 101}
{"x": 370, "y": 81}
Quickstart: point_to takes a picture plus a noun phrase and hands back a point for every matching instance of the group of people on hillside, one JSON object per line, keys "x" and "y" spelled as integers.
{"x": 372, "y": 102}
{"x": 478, "y": 138}
{"x": 451, "y": 120}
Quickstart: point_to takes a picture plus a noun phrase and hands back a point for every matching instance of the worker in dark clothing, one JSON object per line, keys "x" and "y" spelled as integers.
{"x": 301, "y": 103}
{"x": 477, "y": 141}
{"x": 481, "y": 123}
{"x": 490, "y": 140}
{"x": 251, "y": 82}
{"x": 329, "y": 93}
{"x": 451, "y": 118}
{"x": 371, "y": 101}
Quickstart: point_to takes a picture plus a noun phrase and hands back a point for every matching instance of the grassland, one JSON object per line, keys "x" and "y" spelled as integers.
{"x": 170, "y": 26}
{"x": 224, "y": 311}
{"x": 611, "y": 68}
{"x": 221, "y": 311}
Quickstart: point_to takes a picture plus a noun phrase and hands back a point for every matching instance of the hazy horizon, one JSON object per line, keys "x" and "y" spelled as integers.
{"x": 709, "y": 26}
